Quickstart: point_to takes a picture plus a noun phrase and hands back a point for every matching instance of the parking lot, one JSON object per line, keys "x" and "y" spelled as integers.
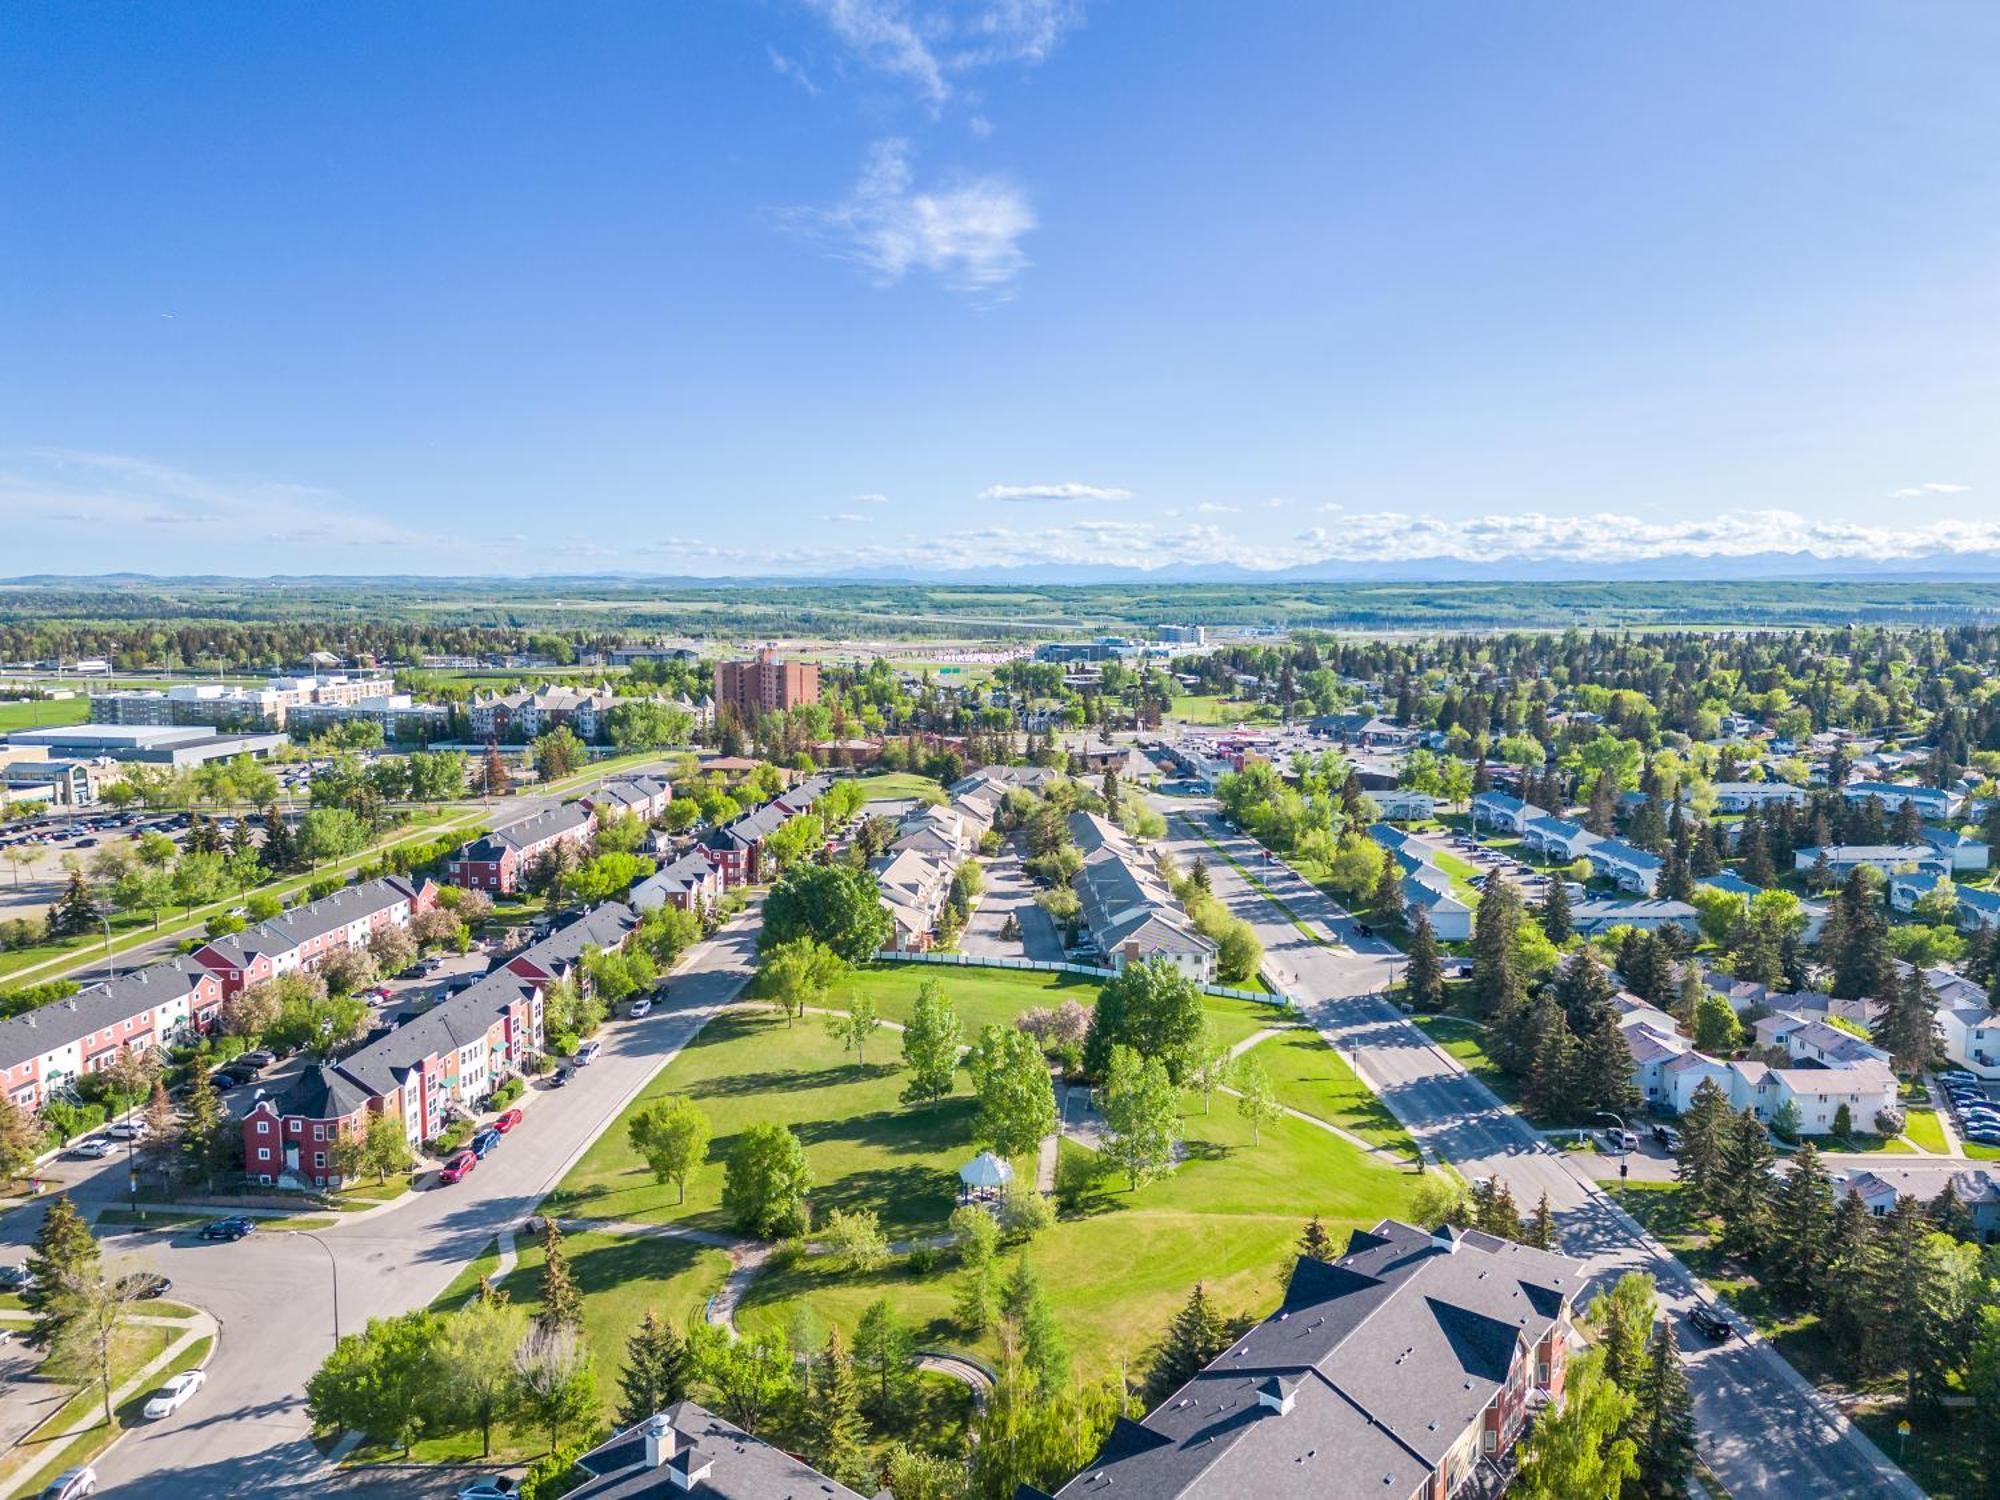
{"x": 1974, "y": 1110}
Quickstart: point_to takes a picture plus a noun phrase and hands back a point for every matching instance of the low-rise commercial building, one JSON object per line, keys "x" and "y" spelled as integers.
{"x": 182, "y": 747}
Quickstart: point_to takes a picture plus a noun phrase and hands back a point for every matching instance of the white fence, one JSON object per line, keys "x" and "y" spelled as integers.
{"x": 1044, "y": 966}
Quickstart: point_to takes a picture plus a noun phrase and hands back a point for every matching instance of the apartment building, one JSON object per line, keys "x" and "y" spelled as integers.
{"x": 1409, "y": 1368}
{"x": 765, "y": 684}
{"x": 215, "y": 704}
{"x": 1934, "y": 804}
{"x": 498, "y": 861}
{"x": 398, "y": 715}
{"x": 522, "y": 716}
{"x": 44, "y": 1051}
{"x": 1501, "y": 812}
{"x": 302, "y": 938}
{"x": 1741, "y": 796}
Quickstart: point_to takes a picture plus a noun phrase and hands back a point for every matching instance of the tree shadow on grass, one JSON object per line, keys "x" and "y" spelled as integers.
{"x": 944, "y": 1126}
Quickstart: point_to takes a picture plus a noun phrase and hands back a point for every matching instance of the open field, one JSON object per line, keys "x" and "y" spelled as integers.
{"x": 894, "y": 785}
{"x": 1309, "y": 1076}
{"x": 39, "y": 713}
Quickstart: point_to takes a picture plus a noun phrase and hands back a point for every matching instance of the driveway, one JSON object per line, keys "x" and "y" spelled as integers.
{"x": 273, "y": 1292}
{"x": 1764, "y": 1430}
{"x": 1010, "y": 891}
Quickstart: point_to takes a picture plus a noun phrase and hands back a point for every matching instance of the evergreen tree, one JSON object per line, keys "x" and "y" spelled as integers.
{"x": 1549, "y": 1091}
{"x": 883, "y": 1349}
{"x": 1662, "y": 1424}
{"x": 1705, "y": 1131}
{"x": 64, "y": 1255}
{"x": 1423, "y": 980}
{"x": 1582, "y": 988}
{"x": 1853, "y": 1264}
{"x": 1908, "y": 1027}
{"x": 1314, "y": 1243}
{"x": 1196, "y": 1335}
{"x": 1676, "y": 882}
{"x": 1495, "y": 979}
{"x": 1603, "y": 1067}
{"x": 1388, "y": 898}
{"x": 562, "y": 1302}
{"x": 1758, "y": 867}
{"x": 1554, "y": 915}
{"x": 1541, "y": 1231}
{"x": 1921, "y": 1301}
{"x": 1859, "y": 959}
{"x": 76, "y": 910}
{"x": 1948, "y": 1212}
{"x": 1647, "y": 968}
{"x": 1743, "y": 1194}
{"x": 1513, "y": 1032}
{"x": 1801, "y": 1231}
{"x": 1026, "y": 1307}
{"x": 835, "y": 1431}
{"x": 279, "y": 852}
{"x": 658, "y": 1368}
{"x": 1623, "y": 1318}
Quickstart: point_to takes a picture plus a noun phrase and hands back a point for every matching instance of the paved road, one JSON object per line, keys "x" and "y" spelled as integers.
{"x": 1763, "y": 1429}
{"x": 1008, "y": 890}
{"x": 247, "y": 1433}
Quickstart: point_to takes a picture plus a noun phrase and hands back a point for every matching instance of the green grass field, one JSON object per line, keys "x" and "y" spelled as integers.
{"x": 1467, "y": 1042}
{"x": 894, "y": 785}
{"x": 1309, "y": 1076}
{"x": 42, "y": 713}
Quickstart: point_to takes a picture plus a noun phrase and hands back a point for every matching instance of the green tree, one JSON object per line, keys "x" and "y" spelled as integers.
{"x": 1921, "y": 1303}
{"x": 1496, "y": 925}
{"x": 853, "y": 1026}
{"x": 1142, "y": 1115}
{"x": 883, "y": 1350}
{"x": 838, "y": 905}
{"x": 834, "y": 1427}
{"x": 473, "y": 1359}
{"x": 559, "y": 753}
{"x": 658, "y": 1370}
{"x": 799, "y": 974}
{"x": 1197, "y": 1334}
{"x": 1716, "y": 1029}
{"x": 1907, "y": 1029}
{"x": 930, "y": 1046}
{"x": 1423, "y": 980}
{"x": 765, "y": 1182}
{"x": 854, "y": 1239}
{"x": 561, "y": 1298}
{"x": 1578, "y": 1451}
{"x": 1662, "y": 1422}
{"x": 1152, "y": 1007}
{"x": 672, "y": 1137}
{"x": 1256, "y": 1100}
{"x": 1705, "y": 1131}
{"x": 1025, "y": 1304}
{"x": 553, "y": 1380}
{"x": 64, "y": 1253}
{"x": 1554, "y": 914}
{"x": 382, "y": 1381}
{"x": 1801, "y": 1231}
{"x": 1623, "y": 1318}
{"x": 1742, "y": 1194}
{"x": 1017, "y": 1103}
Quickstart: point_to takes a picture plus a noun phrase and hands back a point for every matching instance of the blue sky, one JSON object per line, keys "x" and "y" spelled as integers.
{"x": 727, "y": 286}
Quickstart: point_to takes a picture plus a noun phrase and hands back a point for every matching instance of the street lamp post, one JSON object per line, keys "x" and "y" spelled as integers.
{"x": 110, "y": 969}
{"x": 333, "y": 1266}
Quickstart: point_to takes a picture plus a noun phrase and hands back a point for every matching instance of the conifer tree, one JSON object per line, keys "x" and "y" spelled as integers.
{"x": 1623, "y": 1318}
{"x": 1196, "y": 1335}
{"x": 657, "y": 1370}
{"x": 1948, "y": 1212}
{"x": 1582, "y": 988}
{"x": 1801, "y": 1230}
{"x": 75, "y": 911}
{"x": 64, "y": 1254}
{"x": 1554, "y": 915}
{"x": 1603, "y": 1067}
{"x": 1549, "y": 1092}
{"x": 1314, "y": 1242}
{"x": 883, "y": 1348}
{"x": 1541, "y": 1231}
{"x": 1424, "y": 978}
{"x": 1494, "y": 977}
{"x": 1705, "y": 1130}
{"x": 562, "y": 1302}
{"x": 835, "y": 1429}
{"x": 1744, "y": 1191}
{"x": 1908, "y": 1027}
{"x": 1853, "y": 1263}
{"x": 1662, "y": 1424}
{"x": 1758, "y": 868}
{"x": 1388, "y": 897}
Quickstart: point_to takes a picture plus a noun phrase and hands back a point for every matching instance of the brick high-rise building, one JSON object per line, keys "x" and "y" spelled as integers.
{"x": 764, "y": 685}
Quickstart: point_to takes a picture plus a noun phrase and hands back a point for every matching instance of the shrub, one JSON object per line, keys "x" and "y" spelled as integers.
{"x": 554, "y": 1475}
{"x": 452, "y": 1138}
{"x": 67, "y": 1121}
{"x": 1889, "y": 1122}
{"x": 509, "y": 1090}
{"x": 1843, "y": 1121}
{"x": 923, "y": 1260}
{"x": 788, "y": 1254}
{"x": 1024, "y": 1212}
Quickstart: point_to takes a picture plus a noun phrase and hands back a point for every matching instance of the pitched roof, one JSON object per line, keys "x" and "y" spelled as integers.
{"x": 57, "y": 1024}
{"x": 741, "y": 1467}
{"x": 460, "y": 1021}
{"x": 526, "y": 833}
{"x": 302, "y": 924}
{"x": 321, "y": 1093}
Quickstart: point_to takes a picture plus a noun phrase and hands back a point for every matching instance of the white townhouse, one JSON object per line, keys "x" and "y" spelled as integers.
{"x": 1500, "y": 812}
{"x": 1964, "y": 851}
{"x": 1556, "y": 838}
{"x": 1588, "y": 918}
{"x": 1935, "y": 805}
{"x": 1626, "y": 866}
{"x": 1429, "y": 890}
{"x": 1400, "y": 804}
{"x": 1888, "y": 858}
{"x": 1741, "y": 796}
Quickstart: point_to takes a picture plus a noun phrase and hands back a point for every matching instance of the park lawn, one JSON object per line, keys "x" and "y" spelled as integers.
{"x": 1308, "y": 1075}
{"x": 88, "y": 1444}
{"x": 867, "y": 1149}
{"x": 894, "y": 785}
{"x": 42, "y": 713}
{"x": 996, "y": 996}
{"x": 1227, "y": 1217}
{"x": 1921, "y": 1126}
{"x": 1466, "y": 1041}
{"x": 1979, "y": 1151}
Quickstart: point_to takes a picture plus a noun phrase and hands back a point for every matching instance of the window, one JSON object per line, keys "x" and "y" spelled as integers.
{"x": 263, "y": 1127}
{"x": 319, "y": 1132}
{"x": 1490, "y": 1440}
{"x": 263, "y": 1153}
{"x": 319, "y": 1158}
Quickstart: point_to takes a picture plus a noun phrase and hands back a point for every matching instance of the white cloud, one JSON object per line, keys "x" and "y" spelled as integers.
{"x": 1069, "y": 491}
{"x": 786, "y": 67}
{"x": 871, "y": 499}
{"x": 1918, "y": 491}
{"x": 925, "y": 44}
{"x": 967, "y": 232}
{"x": 1215, "y": 508}
{"x": 1279, "y": 502}
{"x": 847, "y": 516}
{"x": 1332, "y": 508}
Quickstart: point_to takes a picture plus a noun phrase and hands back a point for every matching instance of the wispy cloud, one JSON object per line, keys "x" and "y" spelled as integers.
{"x": 871, "y": 499}
{"x": 1918, "y": 491}
{"x": 1215, "y": 508}
{"x": 847, "y": 517}
{"x": 787, "y": 67}
{"x": 967, "y": 232}
{"x": 927, "y": 45}
{"x": 1279, "y": 502}
{"x": 1069, "y": 491}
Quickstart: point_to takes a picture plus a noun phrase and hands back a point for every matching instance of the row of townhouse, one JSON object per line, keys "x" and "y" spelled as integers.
{"x": 1889, "y": 859}
{"x": 432, "y": 1065}
{"x": 1933, "y": 804}
{"x": 1967, "y": 1022}
{"x": 1835, "y": 1069}
{"x": 1425, "y": 887}
{"x": 1128, "y": 911}
{"x": 916, "y": 872}
{"x": 736, "y": 848}
{"x": 43, "y": 1052}
{"x": 1741, "y": 796}
{"x": 1879, "y": 1188}
{"x": 499, "y": 861}
{"x": 302, "y": 939}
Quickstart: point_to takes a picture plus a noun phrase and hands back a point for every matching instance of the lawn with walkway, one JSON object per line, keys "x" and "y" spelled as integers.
{"x": 1309, "y": 1076}
{"x": 1922, "y": 1127}
{"x": 1466, "y": 1041}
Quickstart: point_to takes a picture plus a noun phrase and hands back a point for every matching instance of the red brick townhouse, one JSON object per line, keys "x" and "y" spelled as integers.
{"x": 1400, "y": 1370}
{"x": 450, "y": 1056}
{"x": 498, "y": 861}
{"x": 303, "y": 937}
{"x": 43, "y": 1050}
{"x": 560, "y": 955}
{"x": 645, "y": 797}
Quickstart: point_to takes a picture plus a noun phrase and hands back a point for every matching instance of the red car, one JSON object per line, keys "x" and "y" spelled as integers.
{"x": 458, "y": 1166}
{"x": 507, "y": 1121}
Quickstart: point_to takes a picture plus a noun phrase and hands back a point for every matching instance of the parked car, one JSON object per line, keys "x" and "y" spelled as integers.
{"x": 643, "y": 1006}
{"x": 16, "y": 1278}
{"x": 558, "y": 1078}
{"x": 175, "y": 1394}
{"x": 587, "y": 1053}
{"x": 507, "y": 1121}
{"x": 484, "y": 1142}
{"x": 72, "y": 1484}
{"x": 222, "y": 1083}
{"x": 489, "y": 1489}
{"x": 144, "y": 1286}
{"x": 1619, "y": 1141}
{"x": 258, "y": 1057}
{"x": 458, "y": 1167}
{"x": 94, "y": 1149}
{"x": 127, "y": 1130}
{"x": 1667, "y": 1136}
{"x": 232, "y": 1228}
{"x": 1958, "y": 1075}
{"x": 1710, "y": 1324}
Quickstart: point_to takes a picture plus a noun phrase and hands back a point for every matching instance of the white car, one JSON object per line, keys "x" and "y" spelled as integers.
{"x": 93, "y": 1149}
{"x": 489, "y": 1489}
{"x": 172, "y": 1396}
{"x": 643, "y": 1006}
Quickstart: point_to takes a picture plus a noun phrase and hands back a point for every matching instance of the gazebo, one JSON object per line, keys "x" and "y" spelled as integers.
{"x": 985, "y": 1174}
